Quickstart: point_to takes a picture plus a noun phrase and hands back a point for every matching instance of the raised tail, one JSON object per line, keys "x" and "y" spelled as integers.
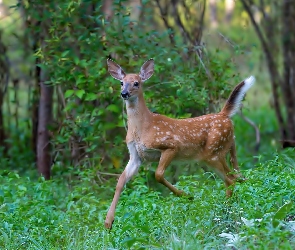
{"x": 233, "y": 103}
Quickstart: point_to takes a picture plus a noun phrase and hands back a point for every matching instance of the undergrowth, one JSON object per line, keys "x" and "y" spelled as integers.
{"x": 38, "y": 214}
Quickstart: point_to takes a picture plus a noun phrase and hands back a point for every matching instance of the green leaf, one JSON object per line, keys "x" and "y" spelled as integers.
{"x": 281, "y": 213}
{"x": 22, "y": 188}
{"x": 80, "y": 93}
{"x": 69, "y": 93}
{"x": 90, "y": 97}
{"x": 129, "y": 241}
{"x": 113, "y": 108}
{"x": 65, "y": 53}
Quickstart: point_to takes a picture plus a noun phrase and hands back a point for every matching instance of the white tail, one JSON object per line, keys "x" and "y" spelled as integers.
{"x": 157, "y": 138}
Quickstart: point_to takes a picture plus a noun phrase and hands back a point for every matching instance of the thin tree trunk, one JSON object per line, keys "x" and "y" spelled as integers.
{"x": 4, "y": 79}
{"x": 135, "y": 10}
{"x": 35, "y": 109}
{"x": 229, "y": 8}
{"x": 213, "y": 13}
{"x": 288, "y": 85}
{"x": 45, "y": 107}
{"x": 107, "y": 9}
{"x": 45, "y": 117}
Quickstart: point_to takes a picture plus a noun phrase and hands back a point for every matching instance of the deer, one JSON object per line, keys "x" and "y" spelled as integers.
{"x": 153, "y": 137}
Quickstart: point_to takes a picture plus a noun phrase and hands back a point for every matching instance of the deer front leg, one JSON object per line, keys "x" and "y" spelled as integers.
{"x": 111, "y": 213}
{"x": 165, "y": 160}
{"x": 130, "y": 170}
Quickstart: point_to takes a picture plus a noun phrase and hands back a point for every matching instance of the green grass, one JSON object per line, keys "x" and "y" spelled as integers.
{"x": 56, "y": 214}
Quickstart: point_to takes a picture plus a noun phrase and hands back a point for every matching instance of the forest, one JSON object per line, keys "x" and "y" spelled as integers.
{"x": 63, "y": 122}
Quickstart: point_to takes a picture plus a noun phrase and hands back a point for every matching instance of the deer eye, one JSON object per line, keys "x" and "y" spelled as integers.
{"x": 136, "y": 84}
{"x": 121, "y": 83}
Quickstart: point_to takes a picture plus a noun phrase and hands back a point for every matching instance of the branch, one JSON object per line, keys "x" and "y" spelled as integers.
{"x": 164, "y": 17}
{"x": 110, "y": 174}
{"x": 227, "y": 40}
{"x": 261, "y": 8}
{"x": 288, "y": 143}
{"x": 201, "y": 23}
{"x": 257, "y": 132}
{"x": 257, "y": 29}
{"x": 179, "y": 23}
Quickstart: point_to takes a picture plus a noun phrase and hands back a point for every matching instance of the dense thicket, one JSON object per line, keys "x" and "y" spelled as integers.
{"x": 73, "y": 115}
{"x": 60, "y": 108}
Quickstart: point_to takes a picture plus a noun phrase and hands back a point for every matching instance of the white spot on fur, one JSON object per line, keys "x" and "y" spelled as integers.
{"x": 176, "y": 137}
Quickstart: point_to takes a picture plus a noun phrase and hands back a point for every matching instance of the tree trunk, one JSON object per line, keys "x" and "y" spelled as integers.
{"x": 45, "y": 116}
{"x": 4, "y": 79}
{"x": 107, "y": 9}
{"x": 45, "y": 106}
{"x": 288, "y": 85}
{"x": 135, "y": 10}
{"x": 229, "y": 8}
{"x": 213, "y": 13}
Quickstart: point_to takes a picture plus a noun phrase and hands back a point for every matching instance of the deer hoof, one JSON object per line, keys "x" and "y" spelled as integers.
{"x": 188, "y": 196}
{"x": 108, "y": 224}
{"x": 191, "y": 198}
{"x": 241, "y": 179}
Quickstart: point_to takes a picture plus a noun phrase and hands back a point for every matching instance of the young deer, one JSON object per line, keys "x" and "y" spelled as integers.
{"x": 157, "y": 138}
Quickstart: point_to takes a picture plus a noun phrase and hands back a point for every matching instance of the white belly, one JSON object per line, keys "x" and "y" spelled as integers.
{"x": 147, "y": 154}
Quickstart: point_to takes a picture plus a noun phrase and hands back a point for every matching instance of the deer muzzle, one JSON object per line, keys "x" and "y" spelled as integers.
{"x": 125, "y": 93}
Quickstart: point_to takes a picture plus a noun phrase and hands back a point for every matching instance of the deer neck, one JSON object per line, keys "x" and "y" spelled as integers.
{"x": 137, "y": 113}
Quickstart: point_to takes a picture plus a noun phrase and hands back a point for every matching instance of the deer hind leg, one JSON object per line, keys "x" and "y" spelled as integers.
{"x": 233, "y": 157}
{"x": 165, "y": 160}
{"x": 220, "y": 167}
{"x": 130, "y": 170}
{"x": 234, "y": 162}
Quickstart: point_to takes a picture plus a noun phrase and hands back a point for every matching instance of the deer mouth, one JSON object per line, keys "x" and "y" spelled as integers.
{"x": 125, "y": 98}
{"x": 125, "y": 95}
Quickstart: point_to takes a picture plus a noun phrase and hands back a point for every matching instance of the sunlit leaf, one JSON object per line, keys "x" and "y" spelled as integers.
{"x": 90, "y": 97}
{"x": 281, "y": 213}
{"x": 69, "y": 93}
{"x": 116, "y": 162}
{"x": 79, "y": 93}
{"x": 114, "y": 108}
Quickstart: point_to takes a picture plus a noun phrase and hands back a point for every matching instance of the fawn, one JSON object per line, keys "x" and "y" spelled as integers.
{"x": 158, "y": 138}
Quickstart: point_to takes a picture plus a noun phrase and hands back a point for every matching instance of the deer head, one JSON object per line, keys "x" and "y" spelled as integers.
{"x": 131, "y": 84}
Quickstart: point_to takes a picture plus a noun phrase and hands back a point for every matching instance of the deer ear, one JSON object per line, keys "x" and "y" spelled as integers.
{"x": 147, "y": 70}
{"x": 115, "y": 70}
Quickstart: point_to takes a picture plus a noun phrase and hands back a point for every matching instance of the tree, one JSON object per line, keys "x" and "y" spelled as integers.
{"x": 277, "y": 37}
{"x": 4, "y": 80}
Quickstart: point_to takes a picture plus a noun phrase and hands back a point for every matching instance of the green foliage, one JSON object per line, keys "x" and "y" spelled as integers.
{"x": 88, "y": 126}
{"x": 59, "y": 215}
{"x": 78, "y": 44}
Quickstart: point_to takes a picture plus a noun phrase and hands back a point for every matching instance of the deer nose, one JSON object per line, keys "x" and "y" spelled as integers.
{"x": 125, "y": 94}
